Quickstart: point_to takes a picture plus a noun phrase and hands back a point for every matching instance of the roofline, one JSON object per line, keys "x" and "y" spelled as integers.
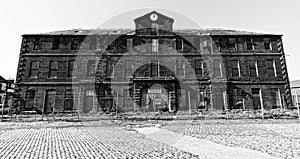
{"x": 175, "y": 31}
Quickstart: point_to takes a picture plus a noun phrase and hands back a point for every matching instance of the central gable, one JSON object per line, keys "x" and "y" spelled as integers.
{"x": 153, "y": 23}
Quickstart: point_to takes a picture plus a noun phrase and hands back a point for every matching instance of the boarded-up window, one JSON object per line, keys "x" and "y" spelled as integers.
{"x": 68, "y": 100}
{"x": 53, "y": 69}
{"x": 270, "y": 67}
{"x": 91, "y": 68}
{"x": 55, "y": 43}
{"x": 235, "y": 68}
{"x": 34, "y": 69}
{"x": 217, "y": 68}
{"x": 180, "y": 68}
{"x": 71, "y": 68}
{"x": 199, "y": 68}
{"x": 253, "y": 68}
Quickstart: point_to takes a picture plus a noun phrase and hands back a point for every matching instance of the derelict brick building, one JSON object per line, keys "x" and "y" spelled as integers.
{"x": 153, "y": 67}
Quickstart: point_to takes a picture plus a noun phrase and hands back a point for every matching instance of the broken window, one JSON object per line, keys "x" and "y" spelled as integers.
{"x": 37, "y": 43}
{"x": 154, "y": 45}
{"x": 199, "y": 68}
{"x": 275, "y": 98}
{"x": 217, "y": 68}
{"x": 267, "y": 43}
{"x": 91, "y": 68}
{"x": 30, "y": 95}
{"x": 55, "y": 43}
{"x": 237, "y": 99}
{"x": 223, "y": 42}
{"x": 232, "y": 43}
{"x": 270, "y": 67}
{"x": 253, "y": 68}
{"x": 235, "y": 68}
{"x": 71, "y": 68}
{"x": 68, "y": 100}
{"x": 180, "y": 68}
{"x": 74, "y": 44}
{"x": 249, "y": 44}
{"x": 179, "y": 44}
{"x": 53, "y": 69}
{"x": 129, "y": 68}
{"x": 34, "y": 69}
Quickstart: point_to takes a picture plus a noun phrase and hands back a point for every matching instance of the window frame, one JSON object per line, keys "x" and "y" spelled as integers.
{"x": 201, "y": 68}
{"x": 37, "y": 44}
{"x": 34, "y": 69}
{"x": 53, "y": 67}
{"x": 71, "y": 69}
{"x": 180, "y": 68}
{"x": 270, "y": 67}
{"x": 91, "y": 66}
{"x": 55, "y": 44}
{"x": 74, "y": 44}
{"x": 67, "y": 97}
{"x": 237, "y": 68}
{"x": 219, "y": 68}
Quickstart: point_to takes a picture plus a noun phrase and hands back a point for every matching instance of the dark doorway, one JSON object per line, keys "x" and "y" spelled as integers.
{"x": 256, "y": 98}
{"x": 49, "y": 101}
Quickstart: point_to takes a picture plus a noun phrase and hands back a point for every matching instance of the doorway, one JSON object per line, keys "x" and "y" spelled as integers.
{"x": 49, "y": 101}
{"x": 256, "y": 98}
{"x": 156, "y": 99}
{"x": 88, "y": 101}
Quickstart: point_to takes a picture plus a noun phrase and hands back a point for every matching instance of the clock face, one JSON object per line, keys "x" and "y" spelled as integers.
{"x": 153, "y": 17}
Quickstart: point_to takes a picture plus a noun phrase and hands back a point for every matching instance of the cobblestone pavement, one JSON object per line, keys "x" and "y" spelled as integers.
{"x": 277, "y": 138}
{"x": 62, "y": 140}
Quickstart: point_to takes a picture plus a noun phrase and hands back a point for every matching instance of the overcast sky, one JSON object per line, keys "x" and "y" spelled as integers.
{"x": 37, "y": 16}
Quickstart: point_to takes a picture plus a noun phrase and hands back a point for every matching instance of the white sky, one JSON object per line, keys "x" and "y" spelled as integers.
{"x": 37, "y": 16}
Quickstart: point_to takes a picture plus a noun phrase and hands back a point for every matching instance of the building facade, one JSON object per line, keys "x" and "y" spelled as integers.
{"x": 151, "y": 68}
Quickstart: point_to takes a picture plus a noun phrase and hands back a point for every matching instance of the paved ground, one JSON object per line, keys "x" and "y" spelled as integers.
{"x": 279, "y": 138}
{"x": 202, "y": 147}
{"x": 117, "y": 139}
{"x": 45, "y": 141}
